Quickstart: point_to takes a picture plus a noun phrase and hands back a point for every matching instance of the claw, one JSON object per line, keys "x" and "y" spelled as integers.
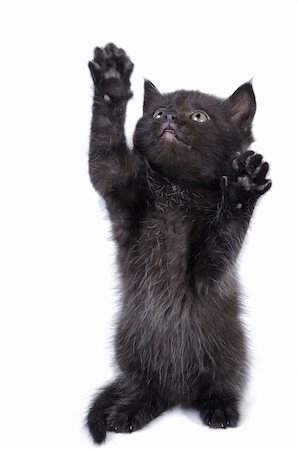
{"x": 265, "y": 187}
{"x": 96, "y": 66}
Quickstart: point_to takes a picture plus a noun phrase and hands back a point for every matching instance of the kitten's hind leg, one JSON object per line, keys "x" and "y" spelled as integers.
{"x": 123, "y": 407}
{"x": 135, "y": 407}
{"x": 97, "y": 416}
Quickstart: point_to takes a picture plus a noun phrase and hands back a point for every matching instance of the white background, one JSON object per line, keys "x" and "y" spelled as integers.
{"x": 58, "y": 296}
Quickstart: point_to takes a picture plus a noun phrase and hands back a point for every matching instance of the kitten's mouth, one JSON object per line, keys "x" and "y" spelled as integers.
{"x": 170, "y": 134}
{"x": 169, "y": 130}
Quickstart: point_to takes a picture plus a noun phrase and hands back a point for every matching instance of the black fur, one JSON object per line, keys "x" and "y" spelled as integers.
{"x": 180, "y": 203}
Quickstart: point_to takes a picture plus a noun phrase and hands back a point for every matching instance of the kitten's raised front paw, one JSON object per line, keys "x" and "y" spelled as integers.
{"x": 110, "y": 70}
{"x": 220, "y": 417}
{"x": 251, "y": 171}
{"x": 246, "y": 182}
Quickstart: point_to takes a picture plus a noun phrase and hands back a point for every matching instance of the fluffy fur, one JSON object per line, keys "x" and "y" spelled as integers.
{"x": 180, "y": 203}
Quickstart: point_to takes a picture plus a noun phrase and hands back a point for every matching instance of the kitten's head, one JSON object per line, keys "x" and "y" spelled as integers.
{"x": 192, "y": 136}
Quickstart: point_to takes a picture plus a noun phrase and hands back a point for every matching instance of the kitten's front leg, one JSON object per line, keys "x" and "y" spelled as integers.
{"x": 227, "y": 229}
{"x": 239, "y": 197}
{"x": 111, "y": 164}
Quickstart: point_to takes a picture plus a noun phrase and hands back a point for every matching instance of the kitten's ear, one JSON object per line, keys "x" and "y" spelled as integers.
{"x": 151, "y": 94}
{"x": 242, "y": 105}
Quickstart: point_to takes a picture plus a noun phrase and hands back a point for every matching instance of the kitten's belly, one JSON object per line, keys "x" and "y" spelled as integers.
{"x": 166, "y": 330}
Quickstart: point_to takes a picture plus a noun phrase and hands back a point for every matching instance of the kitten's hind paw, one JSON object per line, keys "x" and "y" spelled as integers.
{"x": 220, "y": 417}
{"x": 122, "y": 422}
{"x": 110, "y": 70}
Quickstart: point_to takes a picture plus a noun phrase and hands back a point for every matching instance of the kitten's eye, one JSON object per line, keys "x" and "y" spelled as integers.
{"x": 199, "y": 116}
{"x": 159, "y": 113}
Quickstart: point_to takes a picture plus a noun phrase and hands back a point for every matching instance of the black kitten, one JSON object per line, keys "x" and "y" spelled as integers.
{"x": 180, "y": 203}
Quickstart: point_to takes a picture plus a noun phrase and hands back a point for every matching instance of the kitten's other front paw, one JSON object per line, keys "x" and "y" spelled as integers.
{"x": 110, "y": 70}
{"x": 246, "y": 182}
{"x": 250, "y": 172}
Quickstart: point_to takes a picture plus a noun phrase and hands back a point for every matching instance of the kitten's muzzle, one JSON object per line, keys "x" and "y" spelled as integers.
{"x": 168, "y": 128}
{"x": 170, "y": 131}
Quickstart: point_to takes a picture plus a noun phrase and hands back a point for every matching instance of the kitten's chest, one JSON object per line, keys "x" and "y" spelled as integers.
{"x": 165, "y": 232}
{"x": 164, "y": 240}
{"x": 158, "y": 258}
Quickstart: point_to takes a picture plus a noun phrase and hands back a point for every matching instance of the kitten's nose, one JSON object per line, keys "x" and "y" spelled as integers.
{"x": 171, "y": 116}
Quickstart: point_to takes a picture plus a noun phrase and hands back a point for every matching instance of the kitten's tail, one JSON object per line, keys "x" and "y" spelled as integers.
{"x": 97, "y": 416}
